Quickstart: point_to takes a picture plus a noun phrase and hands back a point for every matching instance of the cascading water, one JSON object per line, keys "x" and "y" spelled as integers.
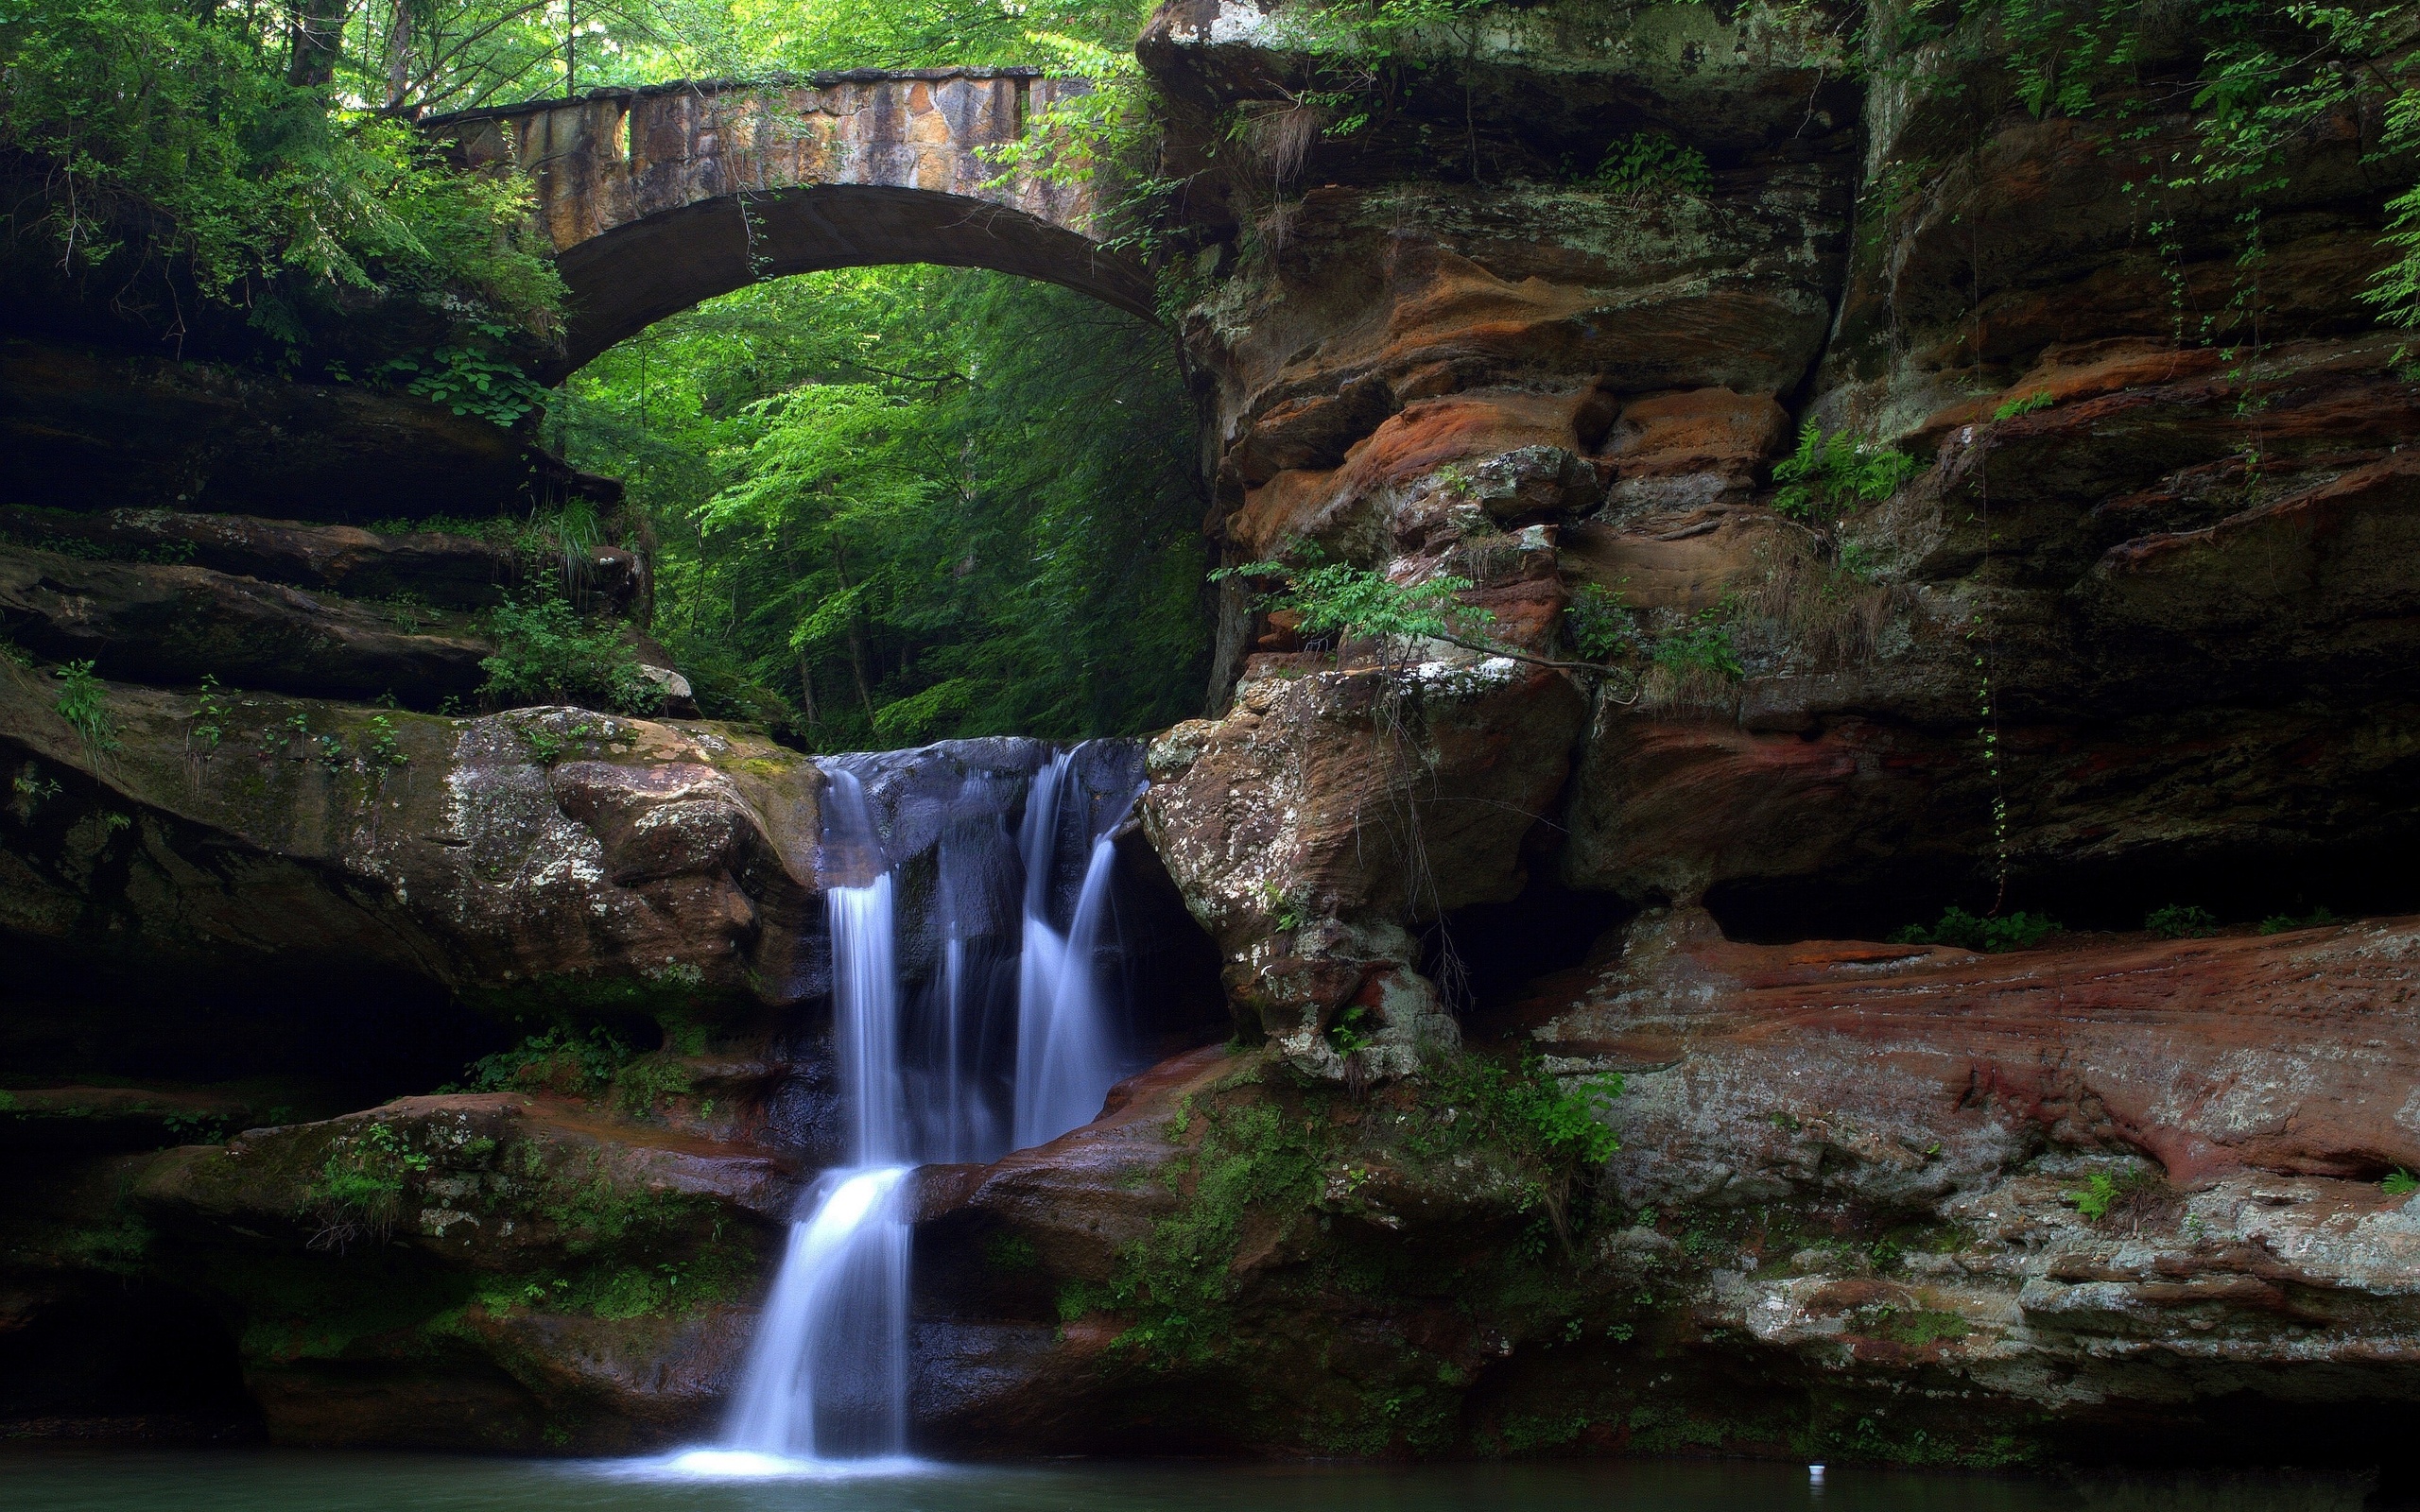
{"x": 827, "y": 1373}
{"x": 827, "y": 1377}
{"x": 1066, "y": 1046}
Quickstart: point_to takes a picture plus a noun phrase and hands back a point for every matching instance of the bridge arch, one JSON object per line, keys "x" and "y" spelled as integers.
{"x": 656, "y": 199}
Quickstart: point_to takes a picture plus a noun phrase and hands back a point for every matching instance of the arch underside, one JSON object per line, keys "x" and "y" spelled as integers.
{"x": 626, "y": 278}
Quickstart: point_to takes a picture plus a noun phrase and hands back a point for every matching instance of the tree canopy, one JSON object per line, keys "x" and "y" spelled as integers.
{"x": 894, "y": 504}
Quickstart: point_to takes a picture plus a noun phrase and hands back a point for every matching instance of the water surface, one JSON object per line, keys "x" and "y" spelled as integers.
{"x": 82, "y": 1480}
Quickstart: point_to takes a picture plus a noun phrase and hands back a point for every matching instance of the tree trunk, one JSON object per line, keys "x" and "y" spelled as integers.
{"x": 318, "y": 38}
{"x": 856, "y": 646}
{"x": 806, "y": 692}
{"x": 398, "y": 52}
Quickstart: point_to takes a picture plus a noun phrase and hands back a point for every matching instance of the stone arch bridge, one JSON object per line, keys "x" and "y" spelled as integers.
{"x": 658, "y": 197}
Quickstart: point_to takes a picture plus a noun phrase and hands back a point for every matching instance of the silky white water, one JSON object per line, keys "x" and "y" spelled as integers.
{"x": 826, "y": 1380}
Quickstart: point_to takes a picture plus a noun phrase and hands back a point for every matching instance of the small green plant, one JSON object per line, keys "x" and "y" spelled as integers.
{"x": 1856, "y": 560}
{"x": 210, "y": 711}
{"x": 546, "y": 653}
{"x": 470, "y": 382}
{"x": 557, "y": 1061}
{"x": 2280, "y": 923}
{"x": 2016, "y": 932}
{"x": 545, "y": 747}
{"x": 642, "y": 1087}
{"x": 2132, "y": 1197}
{"x": 410, "y": 613}
{"x": 378, "y": 746}
{"x": 33, "y": 788}
{"x": 84, "y": 704}
{"x": 1651, "y": 165}
{"x": 360, "y": 1188}
{"x": 2095, "y": 1198}
{"x": 2181, "y": 921}
{"x": 1704, "y": 646}
{"x": 1831, "y": 474}
{"x": 2025, "y": 406}
{"x": 1350, "y": 1033}
{"x": 1600, "y": 626}
{"x": 2400, "y": 1183}
{"x": 1336, "y": 599}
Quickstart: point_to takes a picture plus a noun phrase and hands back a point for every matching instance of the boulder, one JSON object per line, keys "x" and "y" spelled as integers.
{"x": 506, "y": 1271}
{"x": 545, "y": 857}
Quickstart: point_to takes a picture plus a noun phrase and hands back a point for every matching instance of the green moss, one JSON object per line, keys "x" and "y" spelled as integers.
{"x": 1013, "y": 1253}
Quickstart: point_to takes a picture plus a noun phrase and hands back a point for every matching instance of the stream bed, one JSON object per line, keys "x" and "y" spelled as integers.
{"x": 71, "y": 1480}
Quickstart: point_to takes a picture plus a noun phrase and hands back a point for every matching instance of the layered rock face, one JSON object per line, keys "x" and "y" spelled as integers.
{"x": 2115, "y": 1197}
{"x": 2129, "y": 626}
{"x": 2090, "y": 597}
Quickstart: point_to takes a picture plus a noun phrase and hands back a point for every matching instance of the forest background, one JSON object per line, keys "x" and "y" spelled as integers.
{"x": 884, "y": 506}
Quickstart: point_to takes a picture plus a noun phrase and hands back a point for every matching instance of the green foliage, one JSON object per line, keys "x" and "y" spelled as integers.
{"x": 908, "y": 504}
{"x": 84, "y": 704}
{"x": 1652, "y": 166}
{"x": 548, "y": 653}
{"x": 2096, "y": 1196}
{"x": 642, "y": 1087}
{"x": 175, "y": 124}
{"x": 1598, "y": 622}
{"x": 360, "y": 1187}
{"x": 378, "y": 746}
{"x": 560, "y": 1060}
{"x": 2181, "y": 921}
{"x": 1702, "y": 646}
{"x": 1831, "y": 474}
{"x": 1338, "y": 599}
{"x": 2133, "y": 1197}
{"x": 1350, "y": 1033}
{"x": 2026, "y": 404}
{"x": 2280, "y": 923}
{"x": 1523, "y": 1109}
{"x": 2016, "y": 932}
{"x": 210, "y": 711}
{"x": 2400, "y": 1183}
{"x": 1176, "y": 1283}
{"x": 470, "y": 382}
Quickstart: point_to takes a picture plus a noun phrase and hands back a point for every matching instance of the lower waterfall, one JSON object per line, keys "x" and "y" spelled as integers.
{"x": 825, "y": 1384}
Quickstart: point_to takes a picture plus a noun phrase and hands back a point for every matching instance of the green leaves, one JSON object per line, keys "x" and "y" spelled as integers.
{"x": 972, "y": 495}
{"x": 1831, "y": 474}
{"x": 1652, "y": 165}
{"x": 1336, "y": 599}
{"x": 176, "y": 123}
{"x": 84, "y": 704}
{"x": 2181, "y": 921}
{"x": 2014, "y": 931}
{"x": 471, "y": 382}
{"x": 547, "y": 654}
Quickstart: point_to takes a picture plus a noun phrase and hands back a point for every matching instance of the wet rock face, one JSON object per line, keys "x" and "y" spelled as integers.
{"x": 500, "y": 1271}
{"x": 424, "y": 569}
{"x": 540, "y": 857}
{"x": 1848, "y": 1169}
{"x": 2160, "y": 565}
{"x": 91, "y": 429}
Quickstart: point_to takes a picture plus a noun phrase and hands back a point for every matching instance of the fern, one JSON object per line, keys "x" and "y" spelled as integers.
{"x": 1832, "y": 473}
